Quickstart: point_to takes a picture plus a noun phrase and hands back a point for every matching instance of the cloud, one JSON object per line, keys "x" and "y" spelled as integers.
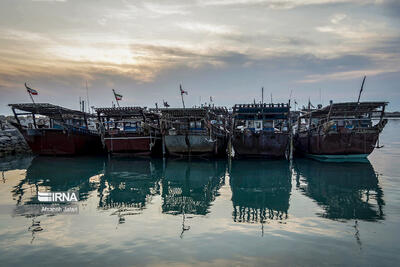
{"x": 279, "y": 4}
{"x": 346, "y": 75}
{"x": 214, "y": 46}
{"x": 49, "y": 0}
{"x": 206, "y": 28}
{"x": 163, "y": 9}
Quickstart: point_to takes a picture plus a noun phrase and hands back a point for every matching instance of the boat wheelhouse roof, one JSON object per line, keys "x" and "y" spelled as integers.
{"x": 183, "y": 113}
{"x": 258, "y": 111}
{"x": 126, "y": 112}
{"x": 47, "y": 109}
{"x": 347, "y": 109}
{"x": 219, "y": 110}
{"x": 120, "y": 111}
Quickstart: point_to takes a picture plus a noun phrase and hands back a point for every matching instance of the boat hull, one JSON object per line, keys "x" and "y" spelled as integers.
{"x": 62, "y": 142}
{"x": 262, "y": 144}
{"x": 190, "y": 144}
{"x": 132, "y": 144}
{"x": 337, "y": 146}
{"x": 339, "y": 158}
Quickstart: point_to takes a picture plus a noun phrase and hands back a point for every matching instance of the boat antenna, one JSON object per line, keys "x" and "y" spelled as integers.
{"x": 87, "y": 98}
{"x": 271, "y": 98}
{"x": 262, "y": 95}
{"x": 362, "y": 87}
{"x": 320, "y": 98}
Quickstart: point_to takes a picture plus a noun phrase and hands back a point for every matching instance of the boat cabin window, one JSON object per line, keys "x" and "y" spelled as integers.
{"x": 195, "y": 125}
{"x": 131, "y": 126}
{"x": 268, "y": 125}
{"x": 258, "y": 125}
{"x": 349, "y": 124}
{"x": 365, "y": 123}
{"x": 182, "y": 126}
{"x": 250, "y": 124}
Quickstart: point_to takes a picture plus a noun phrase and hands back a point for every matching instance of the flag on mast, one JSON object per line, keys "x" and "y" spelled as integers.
{"x": 182, "y": 91}
{"x": 166, "y": 104}
{"x": 118, "y": 97}
{"x": 31, "y": 90}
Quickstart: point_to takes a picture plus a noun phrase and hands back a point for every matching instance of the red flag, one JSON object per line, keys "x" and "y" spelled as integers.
{"x": 182, "y": 91}
{"x": 31, "y": 91}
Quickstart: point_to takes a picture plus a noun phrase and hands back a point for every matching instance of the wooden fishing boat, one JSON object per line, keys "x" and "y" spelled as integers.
{"x": 62, "y": 132}
{"x": 133, "y": 130}
{"x": 195, "y": 131}
{"x": 261, "y": 130}
{"x": 340, "y": 131}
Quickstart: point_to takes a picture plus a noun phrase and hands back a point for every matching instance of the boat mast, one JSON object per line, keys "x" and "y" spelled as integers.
{"x": 30, "y": 94}
{"x": 362, "y": 87}
{"x": 182, "y": 92}
{"x": 116, "y": 99}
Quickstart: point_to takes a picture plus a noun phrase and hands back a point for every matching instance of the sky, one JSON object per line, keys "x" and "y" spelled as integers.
{"x": 227, "y": 49}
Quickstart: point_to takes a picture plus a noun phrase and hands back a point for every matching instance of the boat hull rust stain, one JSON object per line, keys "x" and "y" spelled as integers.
{"x": 262, "y": 144}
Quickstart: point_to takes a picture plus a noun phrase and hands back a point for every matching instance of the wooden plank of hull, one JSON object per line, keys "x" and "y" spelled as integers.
{"x": 263, "y": 144}
{"x": 128, "y": 144}
{"x": 59, "y": 142}
{"x": 195, "y": 144}
{"x": 338, "y": 144}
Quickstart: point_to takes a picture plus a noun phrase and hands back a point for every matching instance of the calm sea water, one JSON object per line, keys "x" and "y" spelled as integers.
{"x": 205, "y": 212}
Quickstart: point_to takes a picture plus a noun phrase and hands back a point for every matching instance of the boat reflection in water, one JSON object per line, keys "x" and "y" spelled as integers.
{"x": 55, "y": 174}
{"x": 58, "y": 174}
{"x": 189, "y": 187}
{"x": 129, "y": 184}
{"x": 344, "y": 191}
{"x": 260, "y": 190}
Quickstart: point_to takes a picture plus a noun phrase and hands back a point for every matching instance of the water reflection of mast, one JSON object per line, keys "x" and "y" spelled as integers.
{"x": 53, "y": 174}
{"x": 344, "y": 191}
{"x": 34, "y": 228}
{"x": 189, "y": 187}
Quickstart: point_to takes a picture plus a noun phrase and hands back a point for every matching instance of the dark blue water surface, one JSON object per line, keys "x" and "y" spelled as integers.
{"x": 205, "y": 212}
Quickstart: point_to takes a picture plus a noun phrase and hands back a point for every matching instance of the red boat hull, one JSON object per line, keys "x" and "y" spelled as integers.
{"x": 131, "y": 144}
{"x": 61, "y": 142}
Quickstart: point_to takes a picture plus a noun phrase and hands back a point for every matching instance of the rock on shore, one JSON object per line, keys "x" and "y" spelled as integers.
{"x": 11, "y": 140}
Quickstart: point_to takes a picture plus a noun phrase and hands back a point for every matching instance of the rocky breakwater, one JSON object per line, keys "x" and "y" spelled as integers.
{"x": 11, "y": 140}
